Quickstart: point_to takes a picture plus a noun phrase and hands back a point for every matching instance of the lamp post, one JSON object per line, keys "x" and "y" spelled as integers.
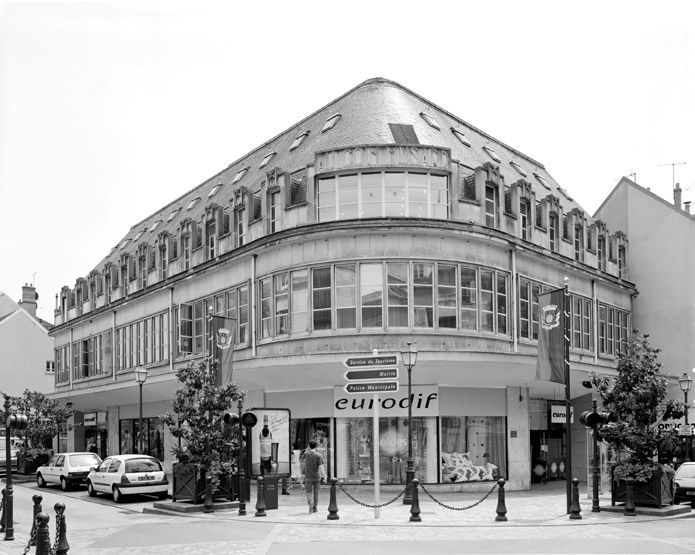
{"x": 141, "y": 378}
{"x": 686, "y": 382}
{"x": 409, "y": 358}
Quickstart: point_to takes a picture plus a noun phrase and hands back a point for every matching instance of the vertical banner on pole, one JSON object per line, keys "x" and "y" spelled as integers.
{"x": 375, "y": 444}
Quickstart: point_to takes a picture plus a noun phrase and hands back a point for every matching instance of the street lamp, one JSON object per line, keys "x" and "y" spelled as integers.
{"x": 409, "y": 358}
{"x": 686, "y": 382}
{"x": 141, "y": 378}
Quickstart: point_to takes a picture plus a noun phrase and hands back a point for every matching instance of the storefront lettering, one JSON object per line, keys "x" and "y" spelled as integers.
{"x": 365, "y": 156}
{"x": 419, "y": 402}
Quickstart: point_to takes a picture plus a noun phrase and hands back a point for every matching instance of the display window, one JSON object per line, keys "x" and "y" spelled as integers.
{"x": 355, "y": 449}
{"x": 303, "y": 430}
{"x": 153, "y": 437}
{"x": 472, "y": 448}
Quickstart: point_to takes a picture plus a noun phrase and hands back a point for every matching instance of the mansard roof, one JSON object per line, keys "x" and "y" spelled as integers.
{"x": 367, "y": 113}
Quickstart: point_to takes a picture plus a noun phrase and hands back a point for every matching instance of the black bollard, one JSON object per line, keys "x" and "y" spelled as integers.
{"x": 260, "y": 498}
{"x": 501, "y": 506}
{"x": 62, "y": 546}
{"x": 43, "y": 535}
{"x": 37, "y": 509}
{"x": 2, "y": 511}
{"x": 575, "y": 509}
{"x": 332, "y": 503}
{"x": 209, "y": 506}
{"x": 285, "y": 490}
{"x": 415, "y": 506}
{"x": 629, "y": 500}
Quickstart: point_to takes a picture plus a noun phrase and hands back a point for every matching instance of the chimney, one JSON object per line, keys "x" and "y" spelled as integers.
{"x": 686, "y": 205}
{"x": 29, "y": 298}
{"x": 677, "y": 193}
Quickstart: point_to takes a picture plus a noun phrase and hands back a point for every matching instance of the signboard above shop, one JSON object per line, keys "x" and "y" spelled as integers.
{"x": 558, "y": 414}
{"x": 425, "y": 402}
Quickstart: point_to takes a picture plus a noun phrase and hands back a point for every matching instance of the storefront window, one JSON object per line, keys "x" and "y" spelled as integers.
{"x": 304, "y": 430}
{"x": 473, "y": 448}
{"x": 153, "y": 437}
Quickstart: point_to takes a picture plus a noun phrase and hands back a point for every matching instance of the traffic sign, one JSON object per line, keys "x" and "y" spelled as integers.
{"x": 370, "y": 361}
{"x": 370, "y": 387}
{"x": 372, "y": 374}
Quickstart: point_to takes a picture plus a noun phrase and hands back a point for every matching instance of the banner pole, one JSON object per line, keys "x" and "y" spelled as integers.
{"x": 568, "y": 401}
{"x": 375, "y": 446}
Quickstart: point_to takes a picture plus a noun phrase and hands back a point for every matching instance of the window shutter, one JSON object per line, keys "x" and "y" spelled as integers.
{"x": 539, "y": 215}
{"x": 508, "y": 200}
{"x": 198, "y": 235}
{"x": 297, "y": 188}
{"x": 257, "y": 202}
{"x": 225, "y": 221}
{"x": 565, "y": 228}
{"x": 467, "y": 187}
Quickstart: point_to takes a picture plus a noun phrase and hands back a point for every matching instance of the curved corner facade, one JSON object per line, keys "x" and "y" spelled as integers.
{"x": 380, "y": 219}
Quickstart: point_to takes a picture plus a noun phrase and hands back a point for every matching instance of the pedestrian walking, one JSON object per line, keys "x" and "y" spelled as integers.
{"x": 314, "y": 471}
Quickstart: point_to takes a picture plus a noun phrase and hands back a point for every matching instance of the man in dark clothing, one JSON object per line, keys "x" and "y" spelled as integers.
{"x": 313, "y": 472}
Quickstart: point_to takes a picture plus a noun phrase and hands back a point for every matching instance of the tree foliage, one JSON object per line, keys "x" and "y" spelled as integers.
{"x": 197, "y": 418}
{"x": 637, "y": 397}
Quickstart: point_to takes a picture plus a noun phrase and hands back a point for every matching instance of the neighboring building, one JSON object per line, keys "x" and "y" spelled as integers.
{"x": 377, "y": 220}
{"x": 26, "y": 349}
{"x": 662, "y": 264}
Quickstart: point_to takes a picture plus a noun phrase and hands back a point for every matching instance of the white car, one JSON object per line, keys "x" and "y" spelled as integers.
{"x": 66, "y": 469}
{"x": 121, "y": 475}
{"x": 684, "y": 484}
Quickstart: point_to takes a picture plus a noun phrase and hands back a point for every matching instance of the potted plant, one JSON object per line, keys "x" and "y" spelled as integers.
{"x": 206, "y": 445}
{"x": 44, "y": 419}
{"x": 637, "y": 399}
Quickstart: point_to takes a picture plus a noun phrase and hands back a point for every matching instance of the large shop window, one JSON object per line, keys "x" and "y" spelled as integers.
{"x": 152, "y": 440}
{"x": 355, "y": 451}
{"x": 383, "y": 194}
{"x": 304, "y": 430}
{"x": 473, "y": 448}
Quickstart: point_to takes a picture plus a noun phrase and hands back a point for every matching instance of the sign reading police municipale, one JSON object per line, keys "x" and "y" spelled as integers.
{"x": 371, "y": 387}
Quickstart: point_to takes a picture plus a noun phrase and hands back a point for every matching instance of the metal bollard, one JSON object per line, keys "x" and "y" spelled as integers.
{"x": 415, "y": 506}
{"x": 575, "y": 509}
{"x": 62, "y": 546}
{"x": 2, "y": 512}
{"x": 629, "y": 500}
{"x": 260, "y": 498}
{"x": 501, "y": 506}
{"x": 37, "y": 509}
{"x": 332, "y": 503}
{"x": 209, "y": 506}
{"x": 43, "y": 535}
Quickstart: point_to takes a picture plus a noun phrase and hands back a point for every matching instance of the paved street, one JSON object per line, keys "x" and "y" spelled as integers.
{"x": 537, "y": 524}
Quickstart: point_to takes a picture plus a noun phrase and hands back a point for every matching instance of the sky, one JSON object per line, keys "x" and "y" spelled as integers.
{"x": 110, "y": 110}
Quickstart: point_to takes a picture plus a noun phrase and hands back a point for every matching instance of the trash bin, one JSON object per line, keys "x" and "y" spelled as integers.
{"x": 270, "y": 488}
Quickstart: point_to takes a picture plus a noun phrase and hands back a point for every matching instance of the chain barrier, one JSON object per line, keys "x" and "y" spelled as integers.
{"x": 32, "y": 537}
{"x": 488, "y": 494}
{"x": 367, "y": 504}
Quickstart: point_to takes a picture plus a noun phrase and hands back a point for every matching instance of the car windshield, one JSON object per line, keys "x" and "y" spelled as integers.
{"x": 84, "y": 459}
{"x": 686, "y": 471}
{"x": 142, "y": 465}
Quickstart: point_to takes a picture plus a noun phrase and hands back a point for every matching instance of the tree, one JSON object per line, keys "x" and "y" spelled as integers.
{"x": 197, "y": 418}
{"x": 637, "y": 397}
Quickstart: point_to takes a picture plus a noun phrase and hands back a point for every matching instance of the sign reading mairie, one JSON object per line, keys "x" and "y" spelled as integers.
{"x": 372, "y": 374}
{"x": 379, "y": 155}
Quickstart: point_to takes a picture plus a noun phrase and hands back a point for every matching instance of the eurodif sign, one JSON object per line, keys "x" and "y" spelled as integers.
{"x": 425, "y": 400}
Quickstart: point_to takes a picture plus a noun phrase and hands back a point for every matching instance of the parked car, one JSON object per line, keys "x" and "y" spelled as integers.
{"x": 684, "y": 484}
{"x": 66, "y": 469}
{"x": 122, "y": 475}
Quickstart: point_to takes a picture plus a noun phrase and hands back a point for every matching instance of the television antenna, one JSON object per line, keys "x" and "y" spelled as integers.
{"x": 673, "y": 170}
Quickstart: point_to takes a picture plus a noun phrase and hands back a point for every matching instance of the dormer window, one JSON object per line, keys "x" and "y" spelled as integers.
{"x": 330, "y": 123}
{"x": 138, "y": 235}
{"x": 298, "y": 141}
{"x": 268, "y": 158}
{"x": 460, "y": 136}
{"x": 542, "y": 181}
{"x": 492, "y": 154}
{"x": 193, "y": 203}
{"x": 241, "y": 173}
{"x": 564, "y": 193}
{"x": 518, "y": 168}
{"x": 430, "y": 120}
{"x": 214, "y": 190}
{"x": 155, "y": 225}
{"x": 124, "y": 243}
{"x": 173, "y": 214}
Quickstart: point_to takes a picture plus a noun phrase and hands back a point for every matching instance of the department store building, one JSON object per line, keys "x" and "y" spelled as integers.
{"x": 378, "y": 220}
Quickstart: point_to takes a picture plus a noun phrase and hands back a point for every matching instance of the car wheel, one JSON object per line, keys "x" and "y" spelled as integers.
{"x": 40, "y": 481}
{"x": 117, "y": 495}
{"x": 161, "y": 495}
{"x": 64, "y": 484}
{"x": 676, "y": 500}
{"x": 90, "y": 490}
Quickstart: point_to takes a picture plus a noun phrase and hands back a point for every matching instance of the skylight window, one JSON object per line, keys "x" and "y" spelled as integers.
{"x": 124, "y": 243}
{"x": 155, "y": 225}
{"x": 139, "y": 234}
{"x": 460, "y": 136}
{"x": 542, "y": 181}
{"x": 430, "y": 120}
{"x": 214, "y": 189}
{"x": 565, "y": 193}
{"x": 492, "y": 154}
{"x": 298, "y": 141}
{"x": 193, "y": 203}
{"x": 268, "y": 158}
{"x": 241, "y": 173}
{"x": 517, "y": 167}
{"x": 173, "y": 214}
{"x": 330, "y": 123}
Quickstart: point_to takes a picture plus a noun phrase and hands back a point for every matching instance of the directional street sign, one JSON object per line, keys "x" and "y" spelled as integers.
{"x": 370, "y": 361}
{"x": 372, "y": 374}
{"x": 370, "y": 387}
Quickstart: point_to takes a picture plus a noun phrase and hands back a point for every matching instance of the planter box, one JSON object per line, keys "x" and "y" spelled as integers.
{"x": 189, "y": 485}
{"x": 28, "y": 465}
{"x": 657, "y": 492}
